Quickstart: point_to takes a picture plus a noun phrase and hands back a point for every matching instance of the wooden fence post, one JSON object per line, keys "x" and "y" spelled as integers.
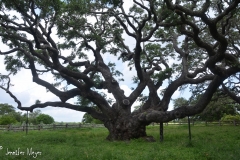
{"x": 189, "y": 129}
{"x": 66, "y": 125}
{"x": 161, "y": 131}
{"x": 9, "y": 127}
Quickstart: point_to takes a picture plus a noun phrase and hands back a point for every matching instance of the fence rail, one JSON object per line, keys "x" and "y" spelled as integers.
{"x": 67, "y": 126}
{"x": 47, "y": 127}
{"x": 205, "y": 123}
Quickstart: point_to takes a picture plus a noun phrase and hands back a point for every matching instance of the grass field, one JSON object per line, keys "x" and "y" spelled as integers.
{"x": 208, "y": 143}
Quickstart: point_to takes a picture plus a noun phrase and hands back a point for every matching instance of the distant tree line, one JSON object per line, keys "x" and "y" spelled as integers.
{"x": 8, "y": 115}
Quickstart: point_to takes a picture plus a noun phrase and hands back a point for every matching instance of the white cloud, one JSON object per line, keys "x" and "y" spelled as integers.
{"x": 127, "y": 90}
{"x": 127, "y": 4}
{"x": 63, "y": 114}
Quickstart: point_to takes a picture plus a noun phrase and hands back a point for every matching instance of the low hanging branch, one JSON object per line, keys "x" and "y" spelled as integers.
{"x": 6, "y": 87}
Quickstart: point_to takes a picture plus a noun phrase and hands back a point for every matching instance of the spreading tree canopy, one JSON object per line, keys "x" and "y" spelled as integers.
{"x": 167, "y": 45}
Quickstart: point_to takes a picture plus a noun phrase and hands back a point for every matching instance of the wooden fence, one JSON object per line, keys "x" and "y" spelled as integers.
{"x": 205, "y": 123}
{"x": 47, "y": 127}
{"x": 67, "y": 126}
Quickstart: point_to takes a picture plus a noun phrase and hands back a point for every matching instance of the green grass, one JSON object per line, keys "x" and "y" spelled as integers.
{"x": 208, "y": 143}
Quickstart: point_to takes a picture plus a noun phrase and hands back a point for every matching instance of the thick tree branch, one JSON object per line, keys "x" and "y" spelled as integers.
{"x": 231, "y": 94}
{"x": 166, "y": 116}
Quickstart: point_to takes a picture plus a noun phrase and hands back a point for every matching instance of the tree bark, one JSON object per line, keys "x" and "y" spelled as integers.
{"x": 125, "y": 128}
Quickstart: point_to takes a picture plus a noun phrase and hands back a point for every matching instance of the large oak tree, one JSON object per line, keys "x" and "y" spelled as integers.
{"x": 176, "y": 45}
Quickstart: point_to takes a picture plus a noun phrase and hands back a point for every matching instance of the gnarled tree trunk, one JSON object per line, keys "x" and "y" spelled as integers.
{"x": 125, "y": 128}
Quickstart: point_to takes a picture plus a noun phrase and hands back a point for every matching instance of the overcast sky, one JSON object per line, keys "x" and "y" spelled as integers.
{"x": 28, "y": 92}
